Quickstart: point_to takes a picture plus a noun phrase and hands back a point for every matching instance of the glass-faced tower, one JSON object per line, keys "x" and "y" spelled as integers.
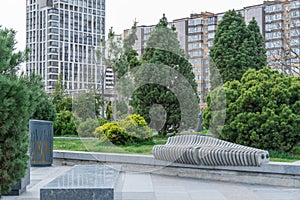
{"x": 62, "y": 36}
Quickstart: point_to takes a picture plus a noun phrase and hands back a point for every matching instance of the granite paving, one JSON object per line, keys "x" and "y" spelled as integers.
{"x": 145, "y": 186}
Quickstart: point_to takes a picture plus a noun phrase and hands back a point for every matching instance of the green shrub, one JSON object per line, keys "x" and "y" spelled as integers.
{"x": 45, "y": 109}
{"x": 136, "y": 127}
{"x": 111, "y": 132}
{"x": 14, "y": 103}
{"x": 65, "y": 124}
{"x": 77, "y": 120}
{"x": 133, "y": 129}
{"x": 102, "y": 121}
{"x": 86, "y": 105}
{"x": 19, "y": 98}
{"x": 262, "y": 110}
{"x": 87, "y": 128}
{"x": 122, "y": 110}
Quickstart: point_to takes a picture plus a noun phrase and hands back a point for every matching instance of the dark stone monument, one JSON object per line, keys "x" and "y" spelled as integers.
{"x": 88, "y": 182}
{"x": 41, "y": 142}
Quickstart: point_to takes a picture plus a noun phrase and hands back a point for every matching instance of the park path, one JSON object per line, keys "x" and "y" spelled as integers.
{"x": 144, "y": 186}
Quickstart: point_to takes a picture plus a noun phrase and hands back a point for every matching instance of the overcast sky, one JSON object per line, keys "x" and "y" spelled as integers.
{"x": 120, "y": 14}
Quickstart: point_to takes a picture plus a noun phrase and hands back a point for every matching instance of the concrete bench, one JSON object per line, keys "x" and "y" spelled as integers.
{"x": 95, "y": 182}
{"x": 205, "y": 150}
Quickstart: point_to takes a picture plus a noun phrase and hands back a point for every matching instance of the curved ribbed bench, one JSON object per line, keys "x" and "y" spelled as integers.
{"x": 205, "y": 150}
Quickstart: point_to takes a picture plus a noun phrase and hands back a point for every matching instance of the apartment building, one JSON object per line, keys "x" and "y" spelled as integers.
{"x": 63, "y": 36}
{"x": 196, "y": 35}
{"x": 279, "y": 23}
{"x": 282, "y": 35}
{"x": 200, "y": 34}
{"x": 143, "y": 33}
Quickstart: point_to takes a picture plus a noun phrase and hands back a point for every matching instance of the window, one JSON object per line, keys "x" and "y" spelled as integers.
{"x": 273, "y": 26}
{"x": 195, "y": 30}
{"x": 295, "y": 13}
{"x": 212, "y": 28}
{"x": 194, "y": 37}
{"x": 273, "y": 8}
{"x": 53, "y": 17}
{"x": 195, "y": 21}
{"x": 211, "y": 35}
{"x": 273, "y": 35}
{"x": 194, "y": 45}
{"x": 295, "y": 4}
{"x": 273, "y": 44}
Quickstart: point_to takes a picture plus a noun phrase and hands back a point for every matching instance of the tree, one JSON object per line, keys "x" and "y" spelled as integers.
{"x": 86, "y": 105}
{"x": 129, "y": 58}
{"x": 164, "y": 78}
{"x": 109, "y": 111}
{"x": 18, "y": 101}
{"x": 109, "y": 53}
{"x": 65, "y": 103}
{"x": 236, "y": 48}
{"x": 65, "y": 124}
{"x": 126, "y": 65}
{"x": 256, "y": 46}
{"x": 59, "y": 97}
{"x": 111, "y": 50}
{"x": 45, "y": 109}
{"x": 262, "y": 110}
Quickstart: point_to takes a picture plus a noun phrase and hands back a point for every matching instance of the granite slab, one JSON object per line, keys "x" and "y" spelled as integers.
{"x": 83, "y": 182}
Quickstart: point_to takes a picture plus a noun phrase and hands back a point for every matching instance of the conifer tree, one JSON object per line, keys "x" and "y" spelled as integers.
{"x": 19, "y": 98}
{"x": 257, "y": 46}
{"x": 162, "y": 55}
{"x": 237, "y": 47}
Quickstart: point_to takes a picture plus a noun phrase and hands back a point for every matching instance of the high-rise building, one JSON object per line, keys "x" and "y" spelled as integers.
{"x": 279, "y": 23}
{"x": 143, "y": 33}
{"x": 200, "y": 33}
{"x": 63, "y": 36}
{"x": 282, "y": 35}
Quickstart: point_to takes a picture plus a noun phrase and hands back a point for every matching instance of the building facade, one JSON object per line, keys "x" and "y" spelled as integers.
{"x": 279, "y": 23}
{"x": 63, "y": 36}
{"x": 143, "y": 33}
{"x": 282, "y": 35}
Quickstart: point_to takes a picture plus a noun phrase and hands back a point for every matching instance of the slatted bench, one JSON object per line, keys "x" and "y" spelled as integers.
{"x": 206, "y": 150}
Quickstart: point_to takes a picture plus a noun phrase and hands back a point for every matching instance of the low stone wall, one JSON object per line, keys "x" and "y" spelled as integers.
{"x": 273, "y": 173}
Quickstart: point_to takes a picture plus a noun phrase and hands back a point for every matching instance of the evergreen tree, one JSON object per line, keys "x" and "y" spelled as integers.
{"x": 129, "y": 58}
{"x": 86, "y": 105}
{"x": 262, "y": 110}
{"x": 18, "y": 100}
{"x": 256, "y": 46}
{"x": 45, "y": 109}
{"x": 162, "y": 55}
{"x": 236, "y": 47}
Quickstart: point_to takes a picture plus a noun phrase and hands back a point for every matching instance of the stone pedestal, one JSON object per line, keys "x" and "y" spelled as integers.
{"x": 83, "y": 182}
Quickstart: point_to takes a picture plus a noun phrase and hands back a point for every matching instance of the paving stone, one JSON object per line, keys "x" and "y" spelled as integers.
{"x": 145, "y": 186}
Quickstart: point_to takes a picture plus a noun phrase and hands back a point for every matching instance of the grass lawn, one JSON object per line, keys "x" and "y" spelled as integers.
{"x": 146, "y": 148}
{"x": 97, "y": 146}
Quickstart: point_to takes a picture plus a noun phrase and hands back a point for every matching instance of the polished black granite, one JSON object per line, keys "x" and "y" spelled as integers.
{"x": 83, "y": 182}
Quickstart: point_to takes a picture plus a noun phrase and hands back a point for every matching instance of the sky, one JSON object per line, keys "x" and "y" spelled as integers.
{"x": 120, "y": 14}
